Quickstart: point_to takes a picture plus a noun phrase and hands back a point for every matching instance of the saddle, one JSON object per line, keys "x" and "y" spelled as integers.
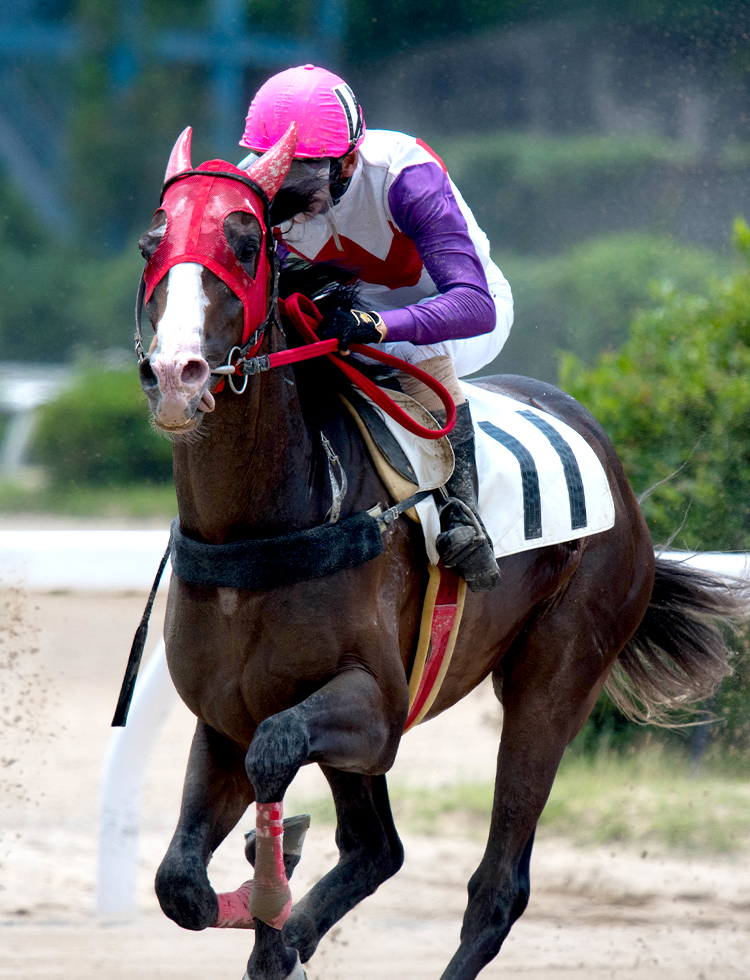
{"x": 540, "y": 483}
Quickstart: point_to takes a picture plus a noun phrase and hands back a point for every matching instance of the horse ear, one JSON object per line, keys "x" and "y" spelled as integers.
{"x": 179, "y": 158}
{"x": 269, "y": 172}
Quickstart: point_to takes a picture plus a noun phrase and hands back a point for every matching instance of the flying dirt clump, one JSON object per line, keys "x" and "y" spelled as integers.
{"x": 24, "y": 697}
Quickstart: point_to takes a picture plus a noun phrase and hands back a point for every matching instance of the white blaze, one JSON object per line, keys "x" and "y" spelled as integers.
{"x": 177, "y": 359}
{"x": 179, "y": 334}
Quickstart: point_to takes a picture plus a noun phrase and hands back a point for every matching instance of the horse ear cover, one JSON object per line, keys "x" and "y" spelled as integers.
{"x": 196, "y": 212}
{"x": 179, "y": 158}
{"x": 271, "y": 169}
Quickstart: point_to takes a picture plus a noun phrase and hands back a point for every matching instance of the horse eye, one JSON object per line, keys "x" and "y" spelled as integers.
{"x": 149, "y": 243}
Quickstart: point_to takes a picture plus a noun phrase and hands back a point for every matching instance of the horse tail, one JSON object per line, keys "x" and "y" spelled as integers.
{"x": 679, "y": 653}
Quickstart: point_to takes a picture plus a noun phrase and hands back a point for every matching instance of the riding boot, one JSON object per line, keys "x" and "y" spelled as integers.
{"x": 464, "y": 543}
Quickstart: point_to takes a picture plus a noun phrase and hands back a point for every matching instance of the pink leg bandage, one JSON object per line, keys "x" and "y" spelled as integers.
{"x": 234, "y": 908}
{"x": 271, "y": 897}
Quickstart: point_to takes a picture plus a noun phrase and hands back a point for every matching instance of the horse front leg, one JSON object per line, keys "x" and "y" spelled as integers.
{"x": 344, "y": 725}
{"x": 215, "y": 795}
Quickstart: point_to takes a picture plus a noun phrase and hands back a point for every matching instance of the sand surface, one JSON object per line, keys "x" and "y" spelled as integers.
{"x": 594, "y": 913}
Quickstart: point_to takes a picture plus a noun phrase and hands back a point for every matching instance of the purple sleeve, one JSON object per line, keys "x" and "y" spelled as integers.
{"x": 425, "y": 209}
{"x": 282, "y": 251}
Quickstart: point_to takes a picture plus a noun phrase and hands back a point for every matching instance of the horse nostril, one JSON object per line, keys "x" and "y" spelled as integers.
{"x": 194, "y": 372}
{"x": 148, "y": 378}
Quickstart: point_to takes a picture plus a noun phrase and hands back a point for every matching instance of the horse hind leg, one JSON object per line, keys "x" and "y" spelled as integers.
{"x": 548, "y": 685}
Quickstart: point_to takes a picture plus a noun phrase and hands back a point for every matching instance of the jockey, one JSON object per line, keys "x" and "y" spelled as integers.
{"x": 389, "y": 213}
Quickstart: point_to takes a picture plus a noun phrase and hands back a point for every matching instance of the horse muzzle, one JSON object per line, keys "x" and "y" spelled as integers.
{"x": 177, "y": 390}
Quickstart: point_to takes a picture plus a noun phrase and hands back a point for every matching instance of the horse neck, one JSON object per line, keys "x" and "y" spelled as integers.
{"x": 249, "y": 471}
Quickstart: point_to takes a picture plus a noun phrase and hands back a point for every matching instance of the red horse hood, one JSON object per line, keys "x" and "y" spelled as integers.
{"x": 196, "y": 207}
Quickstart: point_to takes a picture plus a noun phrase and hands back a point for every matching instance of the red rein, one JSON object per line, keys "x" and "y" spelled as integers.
{"x": 305, "y": 316}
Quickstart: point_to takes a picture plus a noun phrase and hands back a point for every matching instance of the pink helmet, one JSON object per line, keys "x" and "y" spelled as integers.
{"x": 328, "y": 116}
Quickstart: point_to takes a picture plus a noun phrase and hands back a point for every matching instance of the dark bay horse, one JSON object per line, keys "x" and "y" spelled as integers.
{"x": 316, "y": 670}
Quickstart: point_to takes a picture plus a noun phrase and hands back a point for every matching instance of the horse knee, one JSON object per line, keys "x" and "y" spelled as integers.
{"x": 280, "y": 746}
{"x": 377, "y": 858}
{"x": 374, "y": 869}
{"x": 185, "y": 893}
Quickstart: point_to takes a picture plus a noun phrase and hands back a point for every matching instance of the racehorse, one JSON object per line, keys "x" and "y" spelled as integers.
{"x": 281, "y": 673}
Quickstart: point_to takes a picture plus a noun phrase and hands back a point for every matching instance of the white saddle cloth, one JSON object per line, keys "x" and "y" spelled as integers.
{"x": 540, "y": 483}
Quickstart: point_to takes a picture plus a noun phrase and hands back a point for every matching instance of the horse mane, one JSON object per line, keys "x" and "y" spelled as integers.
{"x": 298, "y": 199}
{"x": 330, "y": 287}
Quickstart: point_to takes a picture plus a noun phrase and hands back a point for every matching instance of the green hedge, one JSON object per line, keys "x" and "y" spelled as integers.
{"x": 98, "y": 433}
{"x": 59, "y": 299}
{"x": 675, "y": 400}
{"x": 725, "y": 718}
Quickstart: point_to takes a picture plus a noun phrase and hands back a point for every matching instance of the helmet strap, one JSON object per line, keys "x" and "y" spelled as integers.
{"x": 338, "y": 183}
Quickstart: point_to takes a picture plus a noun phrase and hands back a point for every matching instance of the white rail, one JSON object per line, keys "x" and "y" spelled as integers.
{"x": 85, "y": 560}
{"x": 122, "y": 785}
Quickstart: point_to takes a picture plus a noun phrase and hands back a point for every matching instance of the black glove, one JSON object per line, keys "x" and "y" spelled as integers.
{"x": 352, "y": 327}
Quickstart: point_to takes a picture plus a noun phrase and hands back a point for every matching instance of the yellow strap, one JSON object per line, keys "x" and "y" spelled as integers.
{"x": 425, "y": 635}
{"x": 425, "y": 632}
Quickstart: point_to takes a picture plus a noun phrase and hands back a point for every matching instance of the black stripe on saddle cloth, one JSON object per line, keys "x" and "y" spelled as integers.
{"x": 532, "y": 499}
{"x": 570, "y": 465}
{"x": 532, "y": 503}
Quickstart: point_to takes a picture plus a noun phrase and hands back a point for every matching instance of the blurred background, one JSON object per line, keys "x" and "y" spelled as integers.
{"x": 604, "y": 148}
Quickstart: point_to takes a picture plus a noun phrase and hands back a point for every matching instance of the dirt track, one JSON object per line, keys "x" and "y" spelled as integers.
{"x": 594, "y": 914}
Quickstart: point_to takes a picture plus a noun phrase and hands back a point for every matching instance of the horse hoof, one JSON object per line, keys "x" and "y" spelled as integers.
{"x": 297, "y": 972}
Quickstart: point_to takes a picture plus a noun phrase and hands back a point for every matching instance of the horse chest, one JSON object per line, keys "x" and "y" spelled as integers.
{"x": 228, "y": 601}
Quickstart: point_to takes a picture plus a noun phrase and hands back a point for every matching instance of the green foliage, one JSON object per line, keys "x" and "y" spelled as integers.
{"x": 120, "y": 147}
{"x": 298, "y": 16}
{"x": 97, "y": 434}
{"x": 731, "y": 706}
{"x": 56, "y": 301}
{"x": 675, "y": 400}
{"x": 649, "y": 797}
{"x": 59, "y": 298}
{"x": 536, "y": 162}
{"x": 148, "y": 502}
{"x": 583, "y": 300}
